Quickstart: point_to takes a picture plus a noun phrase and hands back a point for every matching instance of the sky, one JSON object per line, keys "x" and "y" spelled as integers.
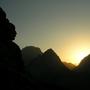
{"x": 63, "y": 25}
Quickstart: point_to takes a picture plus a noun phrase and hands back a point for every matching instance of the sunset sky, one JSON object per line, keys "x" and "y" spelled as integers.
{"x": 63, "y": 25}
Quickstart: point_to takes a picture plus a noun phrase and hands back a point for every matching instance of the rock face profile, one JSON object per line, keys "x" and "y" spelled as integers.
{"x": 29, "y": 53}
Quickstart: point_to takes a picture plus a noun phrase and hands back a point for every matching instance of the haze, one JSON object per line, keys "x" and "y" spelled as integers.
{"x": 63, "y": 25}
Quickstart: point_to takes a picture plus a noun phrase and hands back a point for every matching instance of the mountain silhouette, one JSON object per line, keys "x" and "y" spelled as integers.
{"x": 47, "y": 67}
{"x": 29, "y": 53}
{"x": 82, "y": 73}
{"x": 42, "y": 71}
{"x": 12, "y": 67}
{"x": 69, "y": 65}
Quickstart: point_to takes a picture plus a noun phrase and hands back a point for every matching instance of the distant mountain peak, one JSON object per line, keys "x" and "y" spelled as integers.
{"x": 47, "y": 64}
{"x": 29, "y": 53}
{"x": 69, "y": 65}
{"x": 31, "y": 47}
{"x": 50, "y": 51}
{"x": 51, "y": 55}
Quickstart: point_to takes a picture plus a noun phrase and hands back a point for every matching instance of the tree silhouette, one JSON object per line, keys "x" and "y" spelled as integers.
{"x": 11, "y": 51}
{"x": 10, "y": 54}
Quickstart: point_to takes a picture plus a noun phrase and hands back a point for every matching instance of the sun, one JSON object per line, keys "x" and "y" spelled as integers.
{"x": 75, "y": 49}
{"x": 78, "y": 56}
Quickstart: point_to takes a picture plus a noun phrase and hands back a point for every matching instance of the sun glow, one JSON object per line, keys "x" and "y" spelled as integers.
{"x": 79, "y": 56}
{"x": 75, "y": 53}
{"x": 75, "y": 57}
